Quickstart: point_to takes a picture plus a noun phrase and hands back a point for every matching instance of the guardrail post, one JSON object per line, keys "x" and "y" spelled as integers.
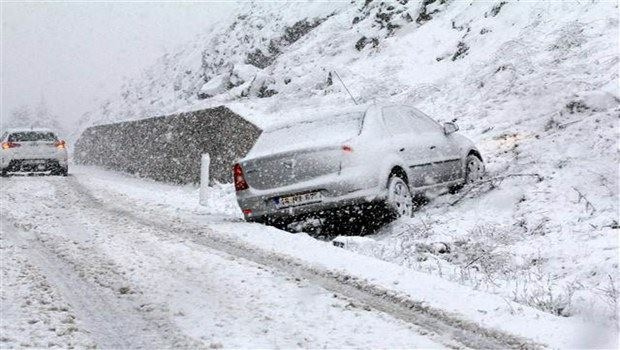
{"x": 204, "y": 178}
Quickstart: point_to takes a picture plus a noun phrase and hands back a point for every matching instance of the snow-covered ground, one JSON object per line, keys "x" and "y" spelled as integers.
{"x": 34, "y": 313}
{"x": 201, "y": 276}
{"x": 534, "y": 84}
{"x": 79, "y": 273}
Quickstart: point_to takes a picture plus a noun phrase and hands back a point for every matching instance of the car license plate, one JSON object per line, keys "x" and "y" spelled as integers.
{"x": 298, "y": 199}
{"x": 34, "y": 161}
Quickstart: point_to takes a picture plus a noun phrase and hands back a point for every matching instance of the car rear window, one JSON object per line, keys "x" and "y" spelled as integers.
{"x": 26, "y": 136}
{"x": 334, "y": 128}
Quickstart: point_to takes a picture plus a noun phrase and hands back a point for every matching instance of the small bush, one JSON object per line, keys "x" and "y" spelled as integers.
{"x": 363, "y": 41}
{"x": 496, "y": 9}
{"x": 461, "y": 51}
{"x": 576, "y": 107}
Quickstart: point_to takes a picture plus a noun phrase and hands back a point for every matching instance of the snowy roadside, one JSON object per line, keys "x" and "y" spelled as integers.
{"x": 152, "y": 200}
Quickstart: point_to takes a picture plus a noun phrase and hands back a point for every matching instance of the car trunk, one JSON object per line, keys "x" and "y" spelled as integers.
{"x": 34, "y": 150}
{"x": 287, "y": 168}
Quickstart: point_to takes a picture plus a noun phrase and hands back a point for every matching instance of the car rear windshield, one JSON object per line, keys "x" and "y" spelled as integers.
{"x": 26, "y": 136}
{"x": 335, "y": 128}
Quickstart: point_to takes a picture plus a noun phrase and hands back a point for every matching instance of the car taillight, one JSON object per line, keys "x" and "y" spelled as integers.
{"x": 347, "y": 149}
{"x": 240, "y": 183}
{"x": 60, "y": 144}
{"x": 9, "y": 144}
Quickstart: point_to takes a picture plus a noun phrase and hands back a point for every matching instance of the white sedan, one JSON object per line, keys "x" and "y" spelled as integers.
{"x": 33, "y": 151}
{"x": 377, "y": 156}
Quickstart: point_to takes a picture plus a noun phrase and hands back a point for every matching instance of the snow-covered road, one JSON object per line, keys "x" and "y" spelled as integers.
{"x": 125, "y": 284}
{"x": 85, "y": 264}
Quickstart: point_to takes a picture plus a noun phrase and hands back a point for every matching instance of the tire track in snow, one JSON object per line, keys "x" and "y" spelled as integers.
{"x": 110, "y": 321}
{"x": 122, "y": 222}
{"x": 213, "y": 297}
{"x": 113, "y": 321}
{"x": 467, "y": 333}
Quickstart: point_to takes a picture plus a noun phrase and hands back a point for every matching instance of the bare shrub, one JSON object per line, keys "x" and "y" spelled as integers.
{"x": 479, "y": 256}
{"x": 609, "y": 295}
{"x": 540, "y": 292}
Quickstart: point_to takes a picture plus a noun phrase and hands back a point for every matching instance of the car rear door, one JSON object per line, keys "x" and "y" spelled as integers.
{"x": 415, "y": 149}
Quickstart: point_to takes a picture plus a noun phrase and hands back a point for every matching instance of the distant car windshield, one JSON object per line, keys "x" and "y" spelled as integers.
{"x": 26, "y": 136}
{"x": 319, "y": 131}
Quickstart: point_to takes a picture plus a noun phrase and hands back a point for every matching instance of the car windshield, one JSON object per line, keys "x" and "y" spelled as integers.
{"x": 26, "y": 136}
{"x": 312, "y": 132}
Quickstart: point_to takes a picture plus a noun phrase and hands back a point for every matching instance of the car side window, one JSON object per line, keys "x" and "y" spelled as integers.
{"x": 422, "y": 123}
{"x": 397, "y": 121}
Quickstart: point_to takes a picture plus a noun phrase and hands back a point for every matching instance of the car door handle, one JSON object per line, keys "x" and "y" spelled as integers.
{"x": 432, "y": 147}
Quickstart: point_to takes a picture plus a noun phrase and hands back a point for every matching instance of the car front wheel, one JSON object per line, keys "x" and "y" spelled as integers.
{"x": 399, "y": 199}
{"x": 474, "y": 169}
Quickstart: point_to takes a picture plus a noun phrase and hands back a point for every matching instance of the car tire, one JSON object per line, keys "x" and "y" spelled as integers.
{"x": 474, "y": 169}
{"x": 472, "y": 161}
{"x": 59, "y": 171}
{"x": 399, "y": 201}
{"x": 4, "y": 173}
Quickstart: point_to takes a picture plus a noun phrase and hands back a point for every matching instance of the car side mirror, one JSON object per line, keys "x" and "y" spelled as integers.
{"x": 450, "y": 128}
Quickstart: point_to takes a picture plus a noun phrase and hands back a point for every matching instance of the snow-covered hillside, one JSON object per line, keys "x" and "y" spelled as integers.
{"x": 274, "y": 56}
{"x": 535, "y": 84}
{"x": 233, "y": 59}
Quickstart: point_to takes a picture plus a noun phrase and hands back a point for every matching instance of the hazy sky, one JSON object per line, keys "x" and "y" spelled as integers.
{"x": 75, "y": 54}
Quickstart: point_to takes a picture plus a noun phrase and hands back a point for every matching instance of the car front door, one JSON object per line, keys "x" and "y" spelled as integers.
{"x": 444, "y": 152}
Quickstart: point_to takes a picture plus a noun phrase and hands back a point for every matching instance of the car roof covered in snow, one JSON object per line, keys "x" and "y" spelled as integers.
{"x": 300, "y": 116}
{"x": 14, "y": 130}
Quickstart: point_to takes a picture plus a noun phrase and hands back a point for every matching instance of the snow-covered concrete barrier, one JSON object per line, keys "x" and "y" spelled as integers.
{"x": 169, "y": 148}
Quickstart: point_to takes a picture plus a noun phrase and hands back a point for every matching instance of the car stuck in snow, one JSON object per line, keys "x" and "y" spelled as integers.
{"x": 37, "y": 151}
{"x": 377, "y": 156}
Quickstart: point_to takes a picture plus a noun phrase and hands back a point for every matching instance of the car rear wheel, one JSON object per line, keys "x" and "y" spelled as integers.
{"x": 60, "y": 171}
{"x": 399, "y": 200}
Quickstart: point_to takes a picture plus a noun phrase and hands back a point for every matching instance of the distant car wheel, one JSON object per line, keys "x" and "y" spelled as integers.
{"x": 59, "y": 171}
{"x": 474, "y": 169}
{"x": 399, "y": 201}
{"x": 4, "y": 173}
